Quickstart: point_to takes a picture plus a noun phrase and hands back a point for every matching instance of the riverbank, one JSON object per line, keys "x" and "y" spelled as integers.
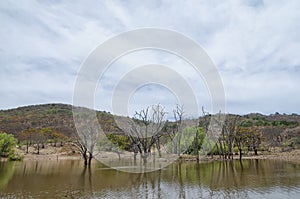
{"x": 67, "y": 152}
{"x": 290, "y": 156}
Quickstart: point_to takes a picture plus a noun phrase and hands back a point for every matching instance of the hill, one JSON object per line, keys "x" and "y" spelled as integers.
{"x": 58, "y": 117}
{"x": 276, "y": 128}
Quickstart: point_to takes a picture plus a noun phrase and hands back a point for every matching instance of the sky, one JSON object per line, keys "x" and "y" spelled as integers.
{"x": 254, "y": 44}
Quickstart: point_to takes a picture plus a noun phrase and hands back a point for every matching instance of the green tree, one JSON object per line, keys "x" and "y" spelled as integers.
{"x": 36, "y": 137}
{"x": 7, "y": 144}
{"x": 27, "y": 137}
{"x": 248, "y": 137}
{"x": 198, "y": 140}
{"x": 240, "y": 138}
{"x": 57, "y": 137}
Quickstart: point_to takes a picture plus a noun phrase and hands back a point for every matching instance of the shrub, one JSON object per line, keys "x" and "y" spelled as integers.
{"x": 7, "y": 144}
{"x": 14, "y": 157}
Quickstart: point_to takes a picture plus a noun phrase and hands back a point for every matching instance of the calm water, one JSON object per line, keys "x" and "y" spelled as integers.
{"x": 69, "y": 179}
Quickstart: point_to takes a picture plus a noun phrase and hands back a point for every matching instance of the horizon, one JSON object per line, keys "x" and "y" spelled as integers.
{"x": 228, "y": 113}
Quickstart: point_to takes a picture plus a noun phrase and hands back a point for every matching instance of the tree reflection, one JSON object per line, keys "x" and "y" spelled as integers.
{"x": 229, "y": 179}
{"x": 86, "y": 179}
{"x": 6, "y": 173}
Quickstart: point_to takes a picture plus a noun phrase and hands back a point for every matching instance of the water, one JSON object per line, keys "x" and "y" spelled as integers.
{"x": 70, "y": 179}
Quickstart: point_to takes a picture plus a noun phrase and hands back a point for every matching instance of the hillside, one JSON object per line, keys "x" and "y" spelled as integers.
{"x": 58, "y": 117}
{"x": 276, "y": 128}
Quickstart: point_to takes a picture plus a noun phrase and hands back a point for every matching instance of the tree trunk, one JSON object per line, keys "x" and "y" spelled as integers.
{"x": 221, "y": 149}
{"x": 230, "y": 148}
{"x": 145, "y": 157}
{"x": 135, "y": 152}
{"x": 195, "y": 149}
{"x": 178, "y": 146}
{"x": 85, "y": 159}
{"x": 38, "y": 149}
{"x": 90, "y": 158}
{"x": 134, "y": 156}
{"x": 84, "y": 156}
{"x": 240, "y": 154}
{"x": 158, "y": 148}
{"x": 225, "y": 152}
{"x": 255, "y": 151}
{"x": 27, "y": 146}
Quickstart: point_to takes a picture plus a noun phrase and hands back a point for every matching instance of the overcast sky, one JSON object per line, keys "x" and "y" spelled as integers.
{"x": 254, "y": 44}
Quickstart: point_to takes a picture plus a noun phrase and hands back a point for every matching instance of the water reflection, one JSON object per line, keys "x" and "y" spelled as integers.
{"x": 6, "y": 173}
{"x": 70, "y": 179}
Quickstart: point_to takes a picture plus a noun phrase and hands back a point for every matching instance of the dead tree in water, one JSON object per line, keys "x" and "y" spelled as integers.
{"x": 145, "y": 130}
{"x": 88, "y": 134}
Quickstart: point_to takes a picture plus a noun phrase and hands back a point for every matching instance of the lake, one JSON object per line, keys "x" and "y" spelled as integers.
{"x": 230, "y": 179}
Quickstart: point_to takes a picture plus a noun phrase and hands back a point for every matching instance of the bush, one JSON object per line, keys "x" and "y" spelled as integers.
{"x": 262, "y": 148}
{"x": 235, "y": 150}
{"x": 290, "y": 143}
{"x": 7, "y": 144}
{"x": 14, "y": 157}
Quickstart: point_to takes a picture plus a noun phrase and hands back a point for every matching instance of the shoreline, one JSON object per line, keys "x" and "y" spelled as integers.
{"x": 292, "y": 156}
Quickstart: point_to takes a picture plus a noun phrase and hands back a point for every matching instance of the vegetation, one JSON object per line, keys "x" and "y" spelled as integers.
{"x": 41, "y": 125}
{"x": 145, "y": 131}
{"x": 7, "y": 146}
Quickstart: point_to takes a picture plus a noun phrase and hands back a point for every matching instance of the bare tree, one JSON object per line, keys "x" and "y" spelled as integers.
{"x": 178, "y": 116}
{"x": 81, "y": 145}
{"x": 204, "y": 123}
{"x": 229, "y": 132}
{"x": 88, "y": 133}
{"x": 212, "y": 125}
{"x": 146, "y": 130}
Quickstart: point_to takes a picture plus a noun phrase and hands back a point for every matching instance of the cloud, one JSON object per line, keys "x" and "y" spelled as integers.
{"x": 255, "y": 45}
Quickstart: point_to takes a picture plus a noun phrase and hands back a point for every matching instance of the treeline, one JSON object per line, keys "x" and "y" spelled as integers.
{"x": 177, "y": 138}
{"x": 39, "y": 137}
{"x": 263, "y": 121}
{"x": 149, "y": 131}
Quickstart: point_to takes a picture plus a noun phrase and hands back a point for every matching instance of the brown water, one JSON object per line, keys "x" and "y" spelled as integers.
{"x": 232, "y": 179}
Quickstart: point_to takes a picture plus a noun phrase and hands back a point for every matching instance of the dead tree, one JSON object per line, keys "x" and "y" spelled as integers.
{"x": 88, "y": 134}
{"x": 178, "y": 116}
{"x": 146, "y": 130}
{"x": 81, "y": 145}
{"x": 230, "y": 129}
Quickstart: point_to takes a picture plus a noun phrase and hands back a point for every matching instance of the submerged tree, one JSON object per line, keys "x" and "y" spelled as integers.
{"x": 88, "y": 134}
{"x": 145, "y": 130}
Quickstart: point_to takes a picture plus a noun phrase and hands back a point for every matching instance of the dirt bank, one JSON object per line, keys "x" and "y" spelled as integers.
{"x": 68, "y": 152}
{"x": 292, "y": 156}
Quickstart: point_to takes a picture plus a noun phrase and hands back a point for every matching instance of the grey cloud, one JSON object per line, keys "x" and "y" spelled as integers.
{"x": 255, "y": 45}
